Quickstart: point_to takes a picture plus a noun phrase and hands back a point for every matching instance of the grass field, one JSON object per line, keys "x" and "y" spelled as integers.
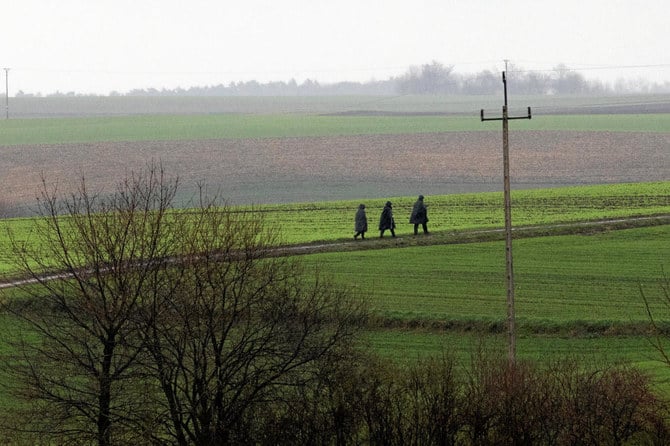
{"x": 309, "y": 222}
{"x": 563, "y": 283}
{"x": 237, "y": 126}
{"x": 576, "y": 294}
{"x": 408, "y": 345}
{"x": 52, "y": 107}
{"x": 332, "y": 221}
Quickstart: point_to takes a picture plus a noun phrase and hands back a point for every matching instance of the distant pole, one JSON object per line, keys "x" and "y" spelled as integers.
{"x": 511, "y": 323}
{"x": 6, "y": 93}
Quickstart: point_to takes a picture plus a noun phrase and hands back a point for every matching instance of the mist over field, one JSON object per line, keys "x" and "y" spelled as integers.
{"x": 356, "y": 105}
{"x": 429, "y": 79}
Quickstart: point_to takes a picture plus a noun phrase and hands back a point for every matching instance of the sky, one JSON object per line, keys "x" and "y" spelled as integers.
{"x": 100, "y": 46}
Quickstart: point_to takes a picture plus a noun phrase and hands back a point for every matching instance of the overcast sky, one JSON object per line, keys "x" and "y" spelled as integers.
{"x": 97, "y": 46}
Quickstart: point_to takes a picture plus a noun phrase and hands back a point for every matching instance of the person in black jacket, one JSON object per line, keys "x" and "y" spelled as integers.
{"x": 419, "y": 216}
{"x": 360, "y": 222}
{"x": 386, "y": 220}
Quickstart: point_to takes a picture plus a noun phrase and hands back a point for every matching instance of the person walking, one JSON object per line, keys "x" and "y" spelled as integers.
{"x": 386, "y": 220}
{"x": 360, "y": 222}
{"x": 419, "y": 216}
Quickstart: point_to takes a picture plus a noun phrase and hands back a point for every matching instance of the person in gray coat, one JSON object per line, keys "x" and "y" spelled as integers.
{"x": 386, "y": 220}
{"x": 360, "y": 222}
{"x": 419, "y": 216}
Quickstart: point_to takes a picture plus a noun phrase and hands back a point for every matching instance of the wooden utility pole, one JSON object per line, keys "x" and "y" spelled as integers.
{"x": 6, "y": 93}
{"x": 511, "y": 325}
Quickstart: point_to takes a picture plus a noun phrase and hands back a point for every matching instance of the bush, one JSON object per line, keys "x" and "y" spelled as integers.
{"x": 564, "y": 404}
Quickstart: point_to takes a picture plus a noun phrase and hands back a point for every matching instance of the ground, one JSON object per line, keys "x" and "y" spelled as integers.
{"x": 273, "y": 170}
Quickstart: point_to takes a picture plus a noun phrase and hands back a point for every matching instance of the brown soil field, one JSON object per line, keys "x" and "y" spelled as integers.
{"x": 254, "y": 171}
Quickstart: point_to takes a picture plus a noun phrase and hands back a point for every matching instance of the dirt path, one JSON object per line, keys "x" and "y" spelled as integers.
{"x": 433, "y": 239}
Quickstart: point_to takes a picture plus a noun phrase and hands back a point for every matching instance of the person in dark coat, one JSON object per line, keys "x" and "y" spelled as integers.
{"x": 386, "y": 220}
{"x": 360, "y": 222}
{"x": 419, "y": 216}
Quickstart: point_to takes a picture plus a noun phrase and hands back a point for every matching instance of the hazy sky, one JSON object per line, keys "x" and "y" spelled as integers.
{"x": 96, "y": 46}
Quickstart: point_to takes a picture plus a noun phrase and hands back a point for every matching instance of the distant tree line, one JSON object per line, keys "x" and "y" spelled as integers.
{"x": 436, "y": 78}
{"x": 429, "y": 79}
{"x": 433, "y": 78}
{"x": 278, "y": 88}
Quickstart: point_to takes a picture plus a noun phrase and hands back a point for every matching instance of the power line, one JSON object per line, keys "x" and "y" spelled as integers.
{"x": 7, "y": 93}
{"x": 508, "y": 221}
{"x": 559, "y": 66}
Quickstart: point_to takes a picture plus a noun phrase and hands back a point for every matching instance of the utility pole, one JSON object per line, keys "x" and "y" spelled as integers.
{"x": 511, "y": 325}
{"x": 6, "y": 93}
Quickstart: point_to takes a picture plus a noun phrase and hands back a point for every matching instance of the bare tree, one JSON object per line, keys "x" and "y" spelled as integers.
{"x": 93, "y": 260}
{"x": 433, "y": 78}
{"x": 146, "y": 323}
{"x": 240, "y": 328}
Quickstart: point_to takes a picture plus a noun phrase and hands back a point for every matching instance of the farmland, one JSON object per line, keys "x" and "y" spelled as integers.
{"x": 307, "y": 166}
{"x": 578, "y": 293}
{"x": 279, "y": 150}
{"x": 453, "y": 217}
{"x": 261, "y": 169}
{"x": 562, "y": 281}
{"x": 70, "y": 107}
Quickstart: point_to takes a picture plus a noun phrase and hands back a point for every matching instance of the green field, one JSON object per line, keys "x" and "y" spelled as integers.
{"x": 310, "y": 222}
{"x": 81, "y": 106}
{"x": 563, "y": 283}
{"x": 450, "y": 215}
{"x": 224, "y": 126}
{"x": 577, "y": 294}
{"x": 407, "y": 345}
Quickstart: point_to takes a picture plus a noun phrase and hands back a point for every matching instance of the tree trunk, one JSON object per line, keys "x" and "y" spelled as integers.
{"x": 105, "y": 394}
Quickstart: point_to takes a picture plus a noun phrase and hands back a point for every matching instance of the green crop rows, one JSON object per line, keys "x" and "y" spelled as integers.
{"x": 309, "y": 222}
{"x": 576, "y": 294}
{"x": 561, "y": 281}
{"x": 332, "y": 221}
{"x": 162, "y": 127}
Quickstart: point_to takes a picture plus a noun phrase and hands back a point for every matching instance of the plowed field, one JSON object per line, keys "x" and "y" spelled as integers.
{"x": 274, "y": 170}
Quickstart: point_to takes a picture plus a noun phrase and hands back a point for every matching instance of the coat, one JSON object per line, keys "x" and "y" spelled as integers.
{"x": 419, "y": 213}
{"x": 361, "y": 220}
{"x": 386, "y": 220}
